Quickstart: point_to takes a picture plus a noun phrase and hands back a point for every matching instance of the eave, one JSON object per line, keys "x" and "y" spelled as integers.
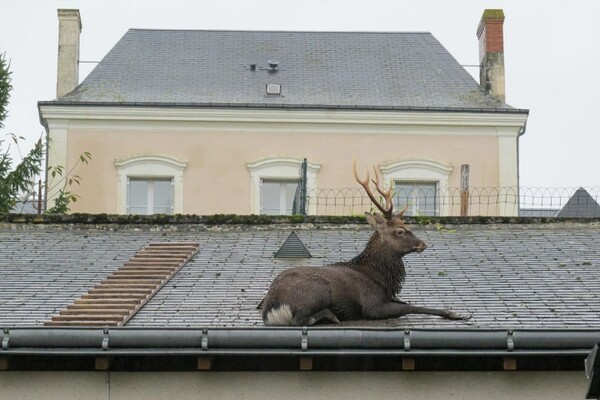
{"x": 566, "y": 348}
{"x": 513, "y": 119}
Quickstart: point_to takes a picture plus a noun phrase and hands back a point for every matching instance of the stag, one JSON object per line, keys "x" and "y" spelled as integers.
{"x": 362, "y": 288}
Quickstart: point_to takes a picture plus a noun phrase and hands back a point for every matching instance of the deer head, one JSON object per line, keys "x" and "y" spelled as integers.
{"x": 392, "y": 230}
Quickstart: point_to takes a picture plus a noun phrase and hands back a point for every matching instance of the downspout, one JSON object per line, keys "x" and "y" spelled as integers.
{"x": 521, "y": 133}
{"x": 45, "y": 125}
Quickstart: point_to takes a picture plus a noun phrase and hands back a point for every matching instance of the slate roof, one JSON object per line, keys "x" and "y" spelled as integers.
{"x": 316, "y": 69}
{"x": 506, "y": 276}
{"x": 580, "y": 205}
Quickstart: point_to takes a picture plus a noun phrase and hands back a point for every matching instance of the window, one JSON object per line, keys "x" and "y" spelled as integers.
{"x": 150, "y": 184}
{"x": 277, "y": 197}
{"x": 420, "y": 197}
{"x": 422, "y": 184}
{"x": 280, "y": 175}
{"x": 150, "y": 196}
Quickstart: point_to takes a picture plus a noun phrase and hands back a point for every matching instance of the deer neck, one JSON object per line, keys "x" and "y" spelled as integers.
{"x": 381, "y": 265}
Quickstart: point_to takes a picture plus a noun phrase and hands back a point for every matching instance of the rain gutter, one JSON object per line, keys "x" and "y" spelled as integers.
{"x": 298, "y": 341}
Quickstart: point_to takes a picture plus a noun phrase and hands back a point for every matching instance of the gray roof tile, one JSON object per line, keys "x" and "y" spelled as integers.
{"x": 316, "y": 69}
{"x": 506, "y": 276}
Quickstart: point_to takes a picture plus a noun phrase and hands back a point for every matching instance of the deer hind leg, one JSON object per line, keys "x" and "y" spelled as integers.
{"x": 324, "y": 314}
{"x": 394, "y": 310}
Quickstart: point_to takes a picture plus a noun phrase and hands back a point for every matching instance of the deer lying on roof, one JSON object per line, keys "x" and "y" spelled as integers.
{"x": 362, "y": 288}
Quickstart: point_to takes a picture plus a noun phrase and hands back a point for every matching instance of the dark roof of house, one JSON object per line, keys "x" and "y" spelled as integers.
{"x": 580, "y": 205}
{"x": 506, "y": 276}
{"x": 364, "y": 70}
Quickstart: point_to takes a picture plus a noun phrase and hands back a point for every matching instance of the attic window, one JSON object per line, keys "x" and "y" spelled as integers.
{"x": 293, "y": 248}
{"x": 274, "y": 89}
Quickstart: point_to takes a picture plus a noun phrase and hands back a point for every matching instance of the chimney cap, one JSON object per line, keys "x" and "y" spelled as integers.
{"x": 65, "y": 13}
{"x": 490, "y": 14}
{"x": 493, "y": 13}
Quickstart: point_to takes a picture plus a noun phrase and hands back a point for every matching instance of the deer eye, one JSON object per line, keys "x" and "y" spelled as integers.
{"x": 400, "y": 231}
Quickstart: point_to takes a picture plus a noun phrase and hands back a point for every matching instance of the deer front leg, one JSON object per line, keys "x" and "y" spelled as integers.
{"x": 395, "y": 310}
{"x": 324, "y": 314}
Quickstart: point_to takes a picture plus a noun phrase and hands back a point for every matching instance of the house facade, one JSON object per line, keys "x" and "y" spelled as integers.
{"x": 206, "y": 122}
{"x": 528, "y": 287}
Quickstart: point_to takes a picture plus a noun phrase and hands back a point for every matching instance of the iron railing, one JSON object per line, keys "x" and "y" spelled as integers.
{"x": 452, "y": 201}
{"x": 523, "y": 201}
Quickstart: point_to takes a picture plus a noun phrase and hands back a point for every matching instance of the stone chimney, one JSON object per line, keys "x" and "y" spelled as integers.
{"x": 69, "y": 30}
{"x": 491, "y": 53}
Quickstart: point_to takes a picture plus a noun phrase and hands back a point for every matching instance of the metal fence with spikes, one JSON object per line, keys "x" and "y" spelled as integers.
{"x": 430, "y": 200}
{"x": 434, "y": 201}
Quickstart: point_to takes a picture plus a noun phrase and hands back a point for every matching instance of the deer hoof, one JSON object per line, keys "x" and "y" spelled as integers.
{"x": 455, "y": 316}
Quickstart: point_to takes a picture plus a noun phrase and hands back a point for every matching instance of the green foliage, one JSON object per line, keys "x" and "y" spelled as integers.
{"x": 65, "y": 197}
{"x": 421, "y": 219}
{"x": 5, "y": 88}
{"x": 62, "y": 201}
{"x": 21, "y": 179}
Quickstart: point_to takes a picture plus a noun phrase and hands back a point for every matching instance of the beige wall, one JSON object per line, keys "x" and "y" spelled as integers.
{"x": 217, "y": 179}
{"x": 217, "y": 145}
{"x": 293, "y": 385}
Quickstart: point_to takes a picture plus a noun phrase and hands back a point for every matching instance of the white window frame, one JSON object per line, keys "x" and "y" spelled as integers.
{"x": 150, "y": 190}
{"x": 282, "y": 193}
{"x": 279, "y": 168}
{"x": 413, "y": 208}
{"x": 426, "y": 171}
{"x": 150, "y": 167}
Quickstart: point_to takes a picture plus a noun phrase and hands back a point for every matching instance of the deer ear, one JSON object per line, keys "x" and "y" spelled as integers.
{"x": 375, "y": 220}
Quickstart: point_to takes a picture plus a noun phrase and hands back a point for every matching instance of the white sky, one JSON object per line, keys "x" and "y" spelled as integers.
{"x": 552, "y": 57}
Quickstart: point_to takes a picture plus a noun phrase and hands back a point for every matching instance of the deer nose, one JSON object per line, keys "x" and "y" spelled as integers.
{"x": 421, "y": 246}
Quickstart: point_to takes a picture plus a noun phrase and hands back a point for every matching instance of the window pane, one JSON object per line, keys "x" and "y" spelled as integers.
{"x": 402, "y": 195}
{"x": 421, "y": 197}
{"x": 138, "y": 196}
{"x": 290, "y": 192}
{"x": 277, "y": 197}
{"x": 163, "y": 197}
{"x": 270, "y": 198}
{"x": 426, "y": 200}
{"x": 150, "y": 196}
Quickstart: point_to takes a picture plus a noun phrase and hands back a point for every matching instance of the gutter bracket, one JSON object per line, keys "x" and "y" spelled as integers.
{"x": 204, "y": 339}
{"x": 105, "y": 340}
{"x": 407, "y": 340}
{"x": 6, "y": 339}
{"x": 304, "y": 339}
{"x": 510, "y": 344}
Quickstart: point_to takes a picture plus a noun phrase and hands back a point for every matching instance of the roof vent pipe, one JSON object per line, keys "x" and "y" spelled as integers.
{"x": 273, "y": 64}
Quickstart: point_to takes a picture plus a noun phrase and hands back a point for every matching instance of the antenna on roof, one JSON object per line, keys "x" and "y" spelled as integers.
{"x": 273, "y": 64}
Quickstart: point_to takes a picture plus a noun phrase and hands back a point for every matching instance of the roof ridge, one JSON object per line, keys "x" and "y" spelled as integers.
{"x": 276, "y": 31}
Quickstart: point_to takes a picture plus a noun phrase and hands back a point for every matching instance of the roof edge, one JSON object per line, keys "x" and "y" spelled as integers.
{"x": 508, "y": 110}
{"x": 300, "y": 340}
{"x": 233, "y": 219}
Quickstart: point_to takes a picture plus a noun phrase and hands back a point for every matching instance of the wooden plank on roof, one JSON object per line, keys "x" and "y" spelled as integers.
{"x": 123, "y": 293}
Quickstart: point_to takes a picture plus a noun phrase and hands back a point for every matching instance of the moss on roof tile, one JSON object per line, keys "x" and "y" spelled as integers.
{"x": 232, "y": 219}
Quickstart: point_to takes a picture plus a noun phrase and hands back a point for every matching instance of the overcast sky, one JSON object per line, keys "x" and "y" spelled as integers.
{"x": 552, "y": 57}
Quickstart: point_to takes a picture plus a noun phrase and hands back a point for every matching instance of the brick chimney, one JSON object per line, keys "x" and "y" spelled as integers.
{"x": 491, "y": 53}
{"x": 69, "y": 30}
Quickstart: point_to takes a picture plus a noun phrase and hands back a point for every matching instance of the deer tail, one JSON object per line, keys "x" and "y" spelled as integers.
{"x": 281, "y": 315}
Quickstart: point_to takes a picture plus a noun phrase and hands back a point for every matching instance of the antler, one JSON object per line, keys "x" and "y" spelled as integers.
{"x": 387, "y": 194}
